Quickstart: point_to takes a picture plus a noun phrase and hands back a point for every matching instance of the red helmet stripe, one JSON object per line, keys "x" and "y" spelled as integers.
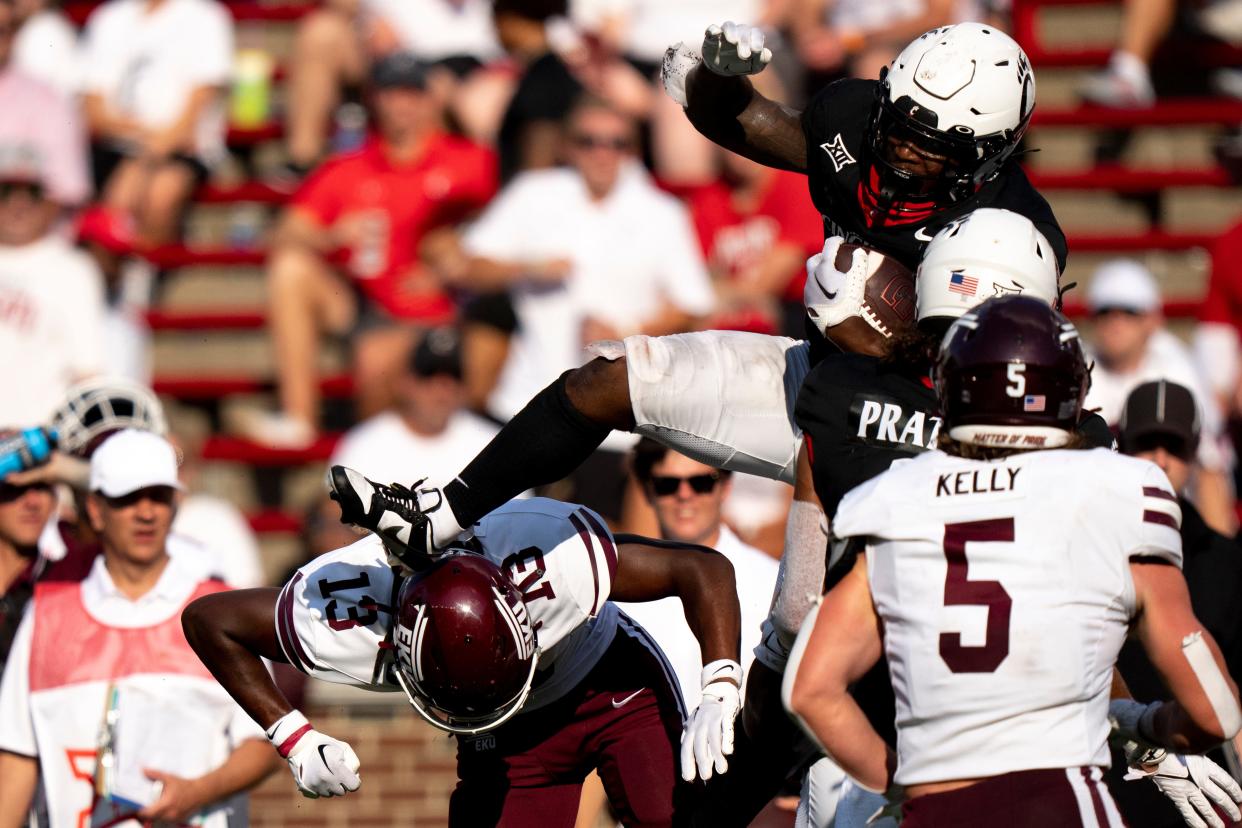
{"x": 585, "y": 535}
{"x": 605, "y": 541}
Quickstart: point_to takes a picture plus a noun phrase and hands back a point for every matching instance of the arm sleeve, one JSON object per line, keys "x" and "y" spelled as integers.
{"x": 16, "y": 723}
{"x": 1154, "y": 506}
{"x": 686, "y": 283}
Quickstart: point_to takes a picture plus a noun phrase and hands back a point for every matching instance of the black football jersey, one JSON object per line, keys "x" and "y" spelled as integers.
{"x": 835, "y": 124}
{"x": 859, "y": 414}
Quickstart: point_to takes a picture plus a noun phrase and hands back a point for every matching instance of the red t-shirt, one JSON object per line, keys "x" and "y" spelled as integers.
{"x": 733, "y": 241}
{"x": 1223, "y": 302}
{"x": 399, "y": 204}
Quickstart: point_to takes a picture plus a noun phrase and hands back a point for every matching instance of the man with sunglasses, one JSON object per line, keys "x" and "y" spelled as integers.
{"x": 688, "y": 499}
{"x": 1130, "y": 345}
{"x": 114, "y": 642}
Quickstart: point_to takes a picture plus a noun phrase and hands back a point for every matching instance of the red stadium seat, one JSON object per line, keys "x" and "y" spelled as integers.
{"x": 237, "y": 450}
{"x": 210, "y": 388}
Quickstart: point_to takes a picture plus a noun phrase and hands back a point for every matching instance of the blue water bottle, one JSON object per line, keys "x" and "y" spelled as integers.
{"x": 26, "y": 449}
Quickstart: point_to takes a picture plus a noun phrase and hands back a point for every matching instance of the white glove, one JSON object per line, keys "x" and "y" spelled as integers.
{"x": 832, "y": 296}
{"x": 321, "y": 765}
{"x": 1189, "y": 782}
{"x": 708, "y": 737}
{"x": 735, "y": 49}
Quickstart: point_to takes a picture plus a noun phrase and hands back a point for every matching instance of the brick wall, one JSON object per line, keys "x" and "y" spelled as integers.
{"x": 408, "y": 770}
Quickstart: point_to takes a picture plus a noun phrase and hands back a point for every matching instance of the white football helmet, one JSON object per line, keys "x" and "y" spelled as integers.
{"x": 99, "y": 406}
{"x": 965, "y": 93}
{"x": 986, "y": 253}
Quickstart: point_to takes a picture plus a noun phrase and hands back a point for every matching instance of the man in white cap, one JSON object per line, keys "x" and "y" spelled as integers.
{"x": 1131, "y": 346}
{"x": 176, "y": 747}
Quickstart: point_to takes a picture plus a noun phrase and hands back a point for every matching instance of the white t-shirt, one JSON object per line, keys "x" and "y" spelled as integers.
{"x": 385, "y": 449}
{"x": 1167, "y": 358}
{"x": 665, "y": 619}
{"x": 564, "y": 573}
{"x": 437, "y": 29}
{"x": 654, "y": 25}
{"x": 46, "y": 48}
{"x": 1005, "y": 592}
{"x": 631, "y": 252}
{"x": 146, "y": 64}
{"x": 51, "y": 326}
{"x": 54, "y": 711}
{"x": 216, "y": 533}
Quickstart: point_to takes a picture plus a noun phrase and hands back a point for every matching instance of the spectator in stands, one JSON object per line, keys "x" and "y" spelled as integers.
{"x": 337, "y": 44}
{"x": 1130, "y": 346}
{"x": 860, "y": 37}
{"x": 529, "y": 134}
{"x": 376, "y": 207}
{"x": 427, "y": 429}
{"x": 114, "y": 642}
{"x": 154, "y": 72}
{"x": 688, "y": 498}
{"x": 1160, "y": 423}
{"x": 46, "y": 47}
{"x": 51, "y": 294}
{"x": 24, "y": 511}
{"x": 757, "y": 227}
{"x": 564, "y": 241}
{"x": 40, "y": 121}
{"x": 1216, "y": 340}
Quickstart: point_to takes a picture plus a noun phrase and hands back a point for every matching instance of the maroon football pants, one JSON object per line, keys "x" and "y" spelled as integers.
{"x": 624, "y": 720}
{"x": 1064, "y": 797}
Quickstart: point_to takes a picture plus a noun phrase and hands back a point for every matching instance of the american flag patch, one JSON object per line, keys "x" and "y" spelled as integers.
{"x": 1033, "y": 402}
{"x": 963, "y": 284}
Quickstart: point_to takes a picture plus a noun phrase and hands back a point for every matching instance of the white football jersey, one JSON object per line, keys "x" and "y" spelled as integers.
{"x": 1005, "y": 592}
{"x": 333, "y": 617}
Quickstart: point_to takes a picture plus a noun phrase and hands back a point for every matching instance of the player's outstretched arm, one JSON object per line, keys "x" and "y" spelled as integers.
{"x": 723, "y": 104}
{"x": 840, "y": 641}
{"x": 232, "y": 632}
{"x": 1206, "y": 710}
{"x": 702, "y": 578}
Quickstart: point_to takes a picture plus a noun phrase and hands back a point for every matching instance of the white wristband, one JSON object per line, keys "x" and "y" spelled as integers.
{"x": 288, "y": 731}
{"x": 723, "y": 669}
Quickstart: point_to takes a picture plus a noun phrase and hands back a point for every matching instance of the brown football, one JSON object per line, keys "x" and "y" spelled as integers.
{"x": 888, "y": 301}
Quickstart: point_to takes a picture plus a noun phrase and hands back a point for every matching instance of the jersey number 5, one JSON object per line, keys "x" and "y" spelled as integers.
{"x": 959, "y": 590}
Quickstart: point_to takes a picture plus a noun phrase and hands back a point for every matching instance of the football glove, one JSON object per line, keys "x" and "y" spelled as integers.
{"x": 708, "y": 737}
{"x": 1193, "y": 784}
{"x": 321, "y": 765}
{"x": 735, "y": 49}
{"x": 831, "y": 296}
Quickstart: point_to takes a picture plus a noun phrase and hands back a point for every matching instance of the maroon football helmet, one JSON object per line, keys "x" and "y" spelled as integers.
{"x": 466, "y": 652}
{"x": 1011, "y": 373}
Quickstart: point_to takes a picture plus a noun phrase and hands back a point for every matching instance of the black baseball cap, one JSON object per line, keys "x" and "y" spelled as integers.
{"x": 438, "y": 352}
{"x": 399, "y": 70}
{"x": 1160, "y": 413}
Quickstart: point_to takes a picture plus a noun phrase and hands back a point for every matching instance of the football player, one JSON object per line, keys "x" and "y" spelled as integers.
{"x": 508, "y": 640}
{"x": 999, "y": 578}
{"x": 890, "y": 162}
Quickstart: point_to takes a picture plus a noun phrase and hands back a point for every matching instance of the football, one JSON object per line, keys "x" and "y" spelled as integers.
{"x": 888, "y": 300}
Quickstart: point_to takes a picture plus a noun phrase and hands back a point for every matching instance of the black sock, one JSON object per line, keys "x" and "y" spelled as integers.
{"x": 543, "y": 443}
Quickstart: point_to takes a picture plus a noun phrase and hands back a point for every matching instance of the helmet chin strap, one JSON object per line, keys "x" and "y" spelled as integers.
{"x": 474, "y": 726}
